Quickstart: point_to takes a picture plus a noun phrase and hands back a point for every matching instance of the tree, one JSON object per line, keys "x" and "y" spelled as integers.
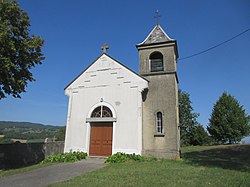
{"x": 60, "y": 136}
{"x": 192, "y": 132}
{"x": 19, "y": 51}
{"x": 199, "y": 136}
{"x": 229, "y": 122}
{"x": 6, "y": 140}
{"x": 187, "y": 118}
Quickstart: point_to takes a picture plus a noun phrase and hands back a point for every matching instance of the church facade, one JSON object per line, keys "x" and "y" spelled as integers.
{"x": 114, "y": 109}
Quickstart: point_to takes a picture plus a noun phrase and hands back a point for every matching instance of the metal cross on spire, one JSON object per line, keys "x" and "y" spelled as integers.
{"x": 157, "y": 16}
{"x": 105, "y": 47}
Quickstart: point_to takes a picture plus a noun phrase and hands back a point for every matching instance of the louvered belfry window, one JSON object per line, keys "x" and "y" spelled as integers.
{"x": 156, "y": 62}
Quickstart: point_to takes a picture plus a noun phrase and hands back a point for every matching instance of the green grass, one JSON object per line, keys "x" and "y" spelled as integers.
{"x": 21, "y": 170}
{"x": 201, "y": 166}
{"x": 232, "y": 157}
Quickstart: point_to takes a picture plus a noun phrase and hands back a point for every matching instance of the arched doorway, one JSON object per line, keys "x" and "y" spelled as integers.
{"x": 101, "y": 131}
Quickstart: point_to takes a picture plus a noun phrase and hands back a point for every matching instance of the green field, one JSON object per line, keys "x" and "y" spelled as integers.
{"x": 26, "y": 132}
{"x": 201, "y": 166}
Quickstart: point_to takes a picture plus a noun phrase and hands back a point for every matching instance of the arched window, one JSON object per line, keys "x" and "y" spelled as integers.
{"x": 156, "y": 62}
{"x": 102, "y": 112}
{"x": 159, "y": 124}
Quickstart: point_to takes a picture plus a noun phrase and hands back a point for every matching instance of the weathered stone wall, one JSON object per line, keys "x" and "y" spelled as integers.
{"x": 162, "y": 96}
{"x": 169, "y": 58}
{"x": 24, "y": 154}
{"x": 53, "y": 148}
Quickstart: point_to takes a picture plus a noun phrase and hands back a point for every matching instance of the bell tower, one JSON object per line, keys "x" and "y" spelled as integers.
{"x": 160, "y": 124}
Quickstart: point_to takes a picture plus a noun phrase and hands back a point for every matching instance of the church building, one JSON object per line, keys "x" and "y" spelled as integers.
{"x": 113, "y": 109}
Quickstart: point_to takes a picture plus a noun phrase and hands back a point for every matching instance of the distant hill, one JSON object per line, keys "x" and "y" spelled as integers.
{"x": 27, "y": 131}
{"x": 10, "y": 124}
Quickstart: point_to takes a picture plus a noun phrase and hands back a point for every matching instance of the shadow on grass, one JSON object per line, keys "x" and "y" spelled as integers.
{"x": 234, "y": 157}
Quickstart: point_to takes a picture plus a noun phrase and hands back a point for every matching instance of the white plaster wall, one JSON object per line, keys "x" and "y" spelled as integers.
{"x": 121, "y": 90}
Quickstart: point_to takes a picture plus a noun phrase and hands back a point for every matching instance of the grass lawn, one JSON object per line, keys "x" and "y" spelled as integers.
{"x": 201, "y": 166}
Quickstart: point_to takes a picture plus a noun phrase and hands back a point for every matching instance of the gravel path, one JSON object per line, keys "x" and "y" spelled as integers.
{"x": 51, "y": 174}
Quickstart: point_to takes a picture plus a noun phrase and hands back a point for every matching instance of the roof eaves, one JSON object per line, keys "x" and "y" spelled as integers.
{"x": 159, "y": 43}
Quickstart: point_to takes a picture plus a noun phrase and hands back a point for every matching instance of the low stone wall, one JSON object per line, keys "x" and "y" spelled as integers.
{"x": 53, "y": 148}
{"x": 24, "y": 154}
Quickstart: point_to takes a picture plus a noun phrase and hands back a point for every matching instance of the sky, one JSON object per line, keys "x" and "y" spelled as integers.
{"x": 75, "y": 30}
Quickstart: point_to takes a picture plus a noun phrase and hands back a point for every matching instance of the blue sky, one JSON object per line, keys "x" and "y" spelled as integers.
{"x": 74, "y": 32}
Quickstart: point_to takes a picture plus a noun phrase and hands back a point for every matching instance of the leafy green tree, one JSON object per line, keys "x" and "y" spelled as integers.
{"x": 6, "y": 140}
{"x": 200, "y": 136}
{"x": 60, "y": 136}
{"x": 19, "y": 52}
{"x": 187, "y": 118}
{"x": 229, "y": 122}
{"x": 192, "y": 133}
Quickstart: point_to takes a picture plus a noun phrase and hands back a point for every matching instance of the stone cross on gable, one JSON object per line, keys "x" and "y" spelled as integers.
{"x": 105, "y": 47}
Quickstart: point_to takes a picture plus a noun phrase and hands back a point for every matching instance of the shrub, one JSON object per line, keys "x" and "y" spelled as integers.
{"x": 123, "y": 157}
{"x": 65, "y": 157}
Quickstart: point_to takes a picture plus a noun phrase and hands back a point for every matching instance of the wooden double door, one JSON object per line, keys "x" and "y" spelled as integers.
{"x": 101, "y": 139}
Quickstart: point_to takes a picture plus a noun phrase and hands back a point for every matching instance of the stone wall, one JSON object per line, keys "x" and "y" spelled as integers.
{"x": 24, "y": 154}
{"x": 162, "y": 96}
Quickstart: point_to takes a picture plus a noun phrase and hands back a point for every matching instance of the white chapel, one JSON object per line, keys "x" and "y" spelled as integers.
{"x": 113, "y": 109}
